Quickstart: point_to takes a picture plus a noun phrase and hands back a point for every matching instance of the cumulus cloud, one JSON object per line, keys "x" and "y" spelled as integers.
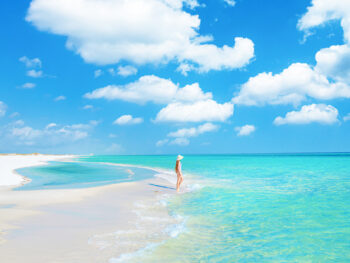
{"x": 30, "y": 63}
{"x": 322, "y": 11}
{"x": 138, "y": 31}
{"x": 26, "y": 133}
{"x": 28, "y": 85}
{"x": 59, "y": 98}
{"x": 180, "y": 141}
{"x": 88, "y": 107}
{"x": 186, "y": 104}
{"x": 328, "y": 79}
{"x": 334, "y": 61}
{"x": 199, "y": 111}
{"x": 162, "y": 142}
{"x": 292, "y": 86}
{"x": 51, "y": 125}
{"x": 34, "y": 73}
{"x": 52, "y": 134}
{"x": 125, "y": 71}
{"x": 181, "y": 136}
{"x": 245, "y": 130}
{"x": 321, "y": 113}
{"x": 3, "y": 108}
{"x": 150, "y": 88}
{"x": 127, "y": 120}
{"x": 194, "y": 131}
{"x": 97, "y": 73}
{"x": 230, "y": 2}
{"x": 211, "y": 57}
{"x": 184, "y": 68}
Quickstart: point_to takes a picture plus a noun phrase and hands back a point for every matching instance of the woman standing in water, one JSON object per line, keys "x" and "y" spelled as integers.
{"x": 178, "y": 172}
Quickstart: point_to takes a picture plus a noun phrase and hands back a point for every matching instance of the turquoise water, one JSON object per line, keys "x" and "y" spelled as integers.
{"x": 256, "y": 208}
{"x": 58, "y": 175}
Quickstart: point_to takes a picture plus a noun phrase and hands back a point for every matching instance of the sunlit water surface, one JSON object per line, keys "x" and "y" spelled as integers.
{"x": 233, "y": 208}
{"x": 255, "y": 208}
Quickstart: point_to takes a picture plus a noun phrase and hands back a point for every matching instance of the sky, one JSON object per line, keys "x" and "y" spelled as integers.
{"x": 174, "y": 76}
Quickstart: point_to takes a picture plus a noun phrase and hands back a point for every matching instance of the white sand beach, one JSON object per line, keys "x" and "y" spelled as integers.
{"x": 95, "y": 224}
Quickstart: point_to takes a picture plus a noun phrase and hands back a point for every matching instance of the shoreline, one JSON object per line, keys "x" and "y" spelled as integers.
{"x": 160, "y": 171}
{"x": 111, "y": 208}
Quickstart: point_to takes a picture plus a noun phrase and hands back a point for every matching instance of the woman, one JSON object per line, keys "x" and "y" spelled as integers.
{"x": 178, "y": 171}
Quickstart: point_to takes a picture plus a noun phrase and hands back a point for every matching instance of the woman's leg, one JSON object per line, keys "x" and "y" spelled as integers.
{"x": 181, "y": 180}
{"x": 178, "y": 183}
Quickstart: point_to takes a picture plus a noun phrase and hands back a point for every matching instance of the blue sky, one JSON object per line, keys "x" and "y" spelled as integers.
{"x": 172, "y": 76}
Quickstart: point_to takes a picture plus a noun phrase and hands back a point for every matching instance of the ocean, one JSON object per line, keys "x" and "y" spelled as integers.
{"x": 244, "y": 208}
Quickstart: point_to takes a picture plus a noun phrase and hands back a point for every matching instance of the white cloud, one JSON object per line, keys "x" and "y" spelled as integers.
{"x": 138, "y": 31}
{"x": 59, "y": 98}
{"x": 194, "y": 131}
{"x": 210, "y": 57}
{"x": 328, "y": 79}
{"x": 292, "y": 86}
{"x": 321, "y": 113}
{"x": 51, "y": 125}
{"x": 97, "y": 73}
{"x": 126, "y": 70}
{"x": 34, "y": 73}
{"x": 26, "y": 133}
{"x": 88, "y": 107}
{"x": 31, "y": 63}
{"x": 180, "y": 141}
{"x": 347, "y": 117}
{"x": 322, "y": 11}
{"x": 334, "y": 62}
{"x": 187, "y": 104}
{"x": 181, "y": 135}
{"x": 230, "y": 2}
{"x": 123, "y": 71}
{"x": 150, "y": 88}
{"x": 191, "y": 93}
{"x": 199, "y": 111}
{"x": 3, "y": 108}
{"x": 184, "y": 68}
{"x": 245, "y": 130}
{"x": 28, "y": 85}
{"x": 52, "y": 134}
{"x": 127, "y": 120}
{"x": 162, "y": 142}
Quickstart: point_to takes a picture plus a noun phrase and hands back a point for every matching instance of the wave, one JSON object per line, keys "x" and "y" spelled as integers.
{"x": 152, "y": 227}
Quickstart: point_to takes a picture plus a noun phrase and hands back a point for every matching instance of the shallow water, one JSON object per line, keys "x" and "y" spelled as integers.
{"x": 58, "y": 175}
{"x": 255, "y": 208}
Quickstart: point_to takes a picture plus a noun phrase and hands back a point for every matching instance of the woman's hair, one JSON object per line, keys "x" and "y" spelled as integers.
{"x": 177, "y": 164}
